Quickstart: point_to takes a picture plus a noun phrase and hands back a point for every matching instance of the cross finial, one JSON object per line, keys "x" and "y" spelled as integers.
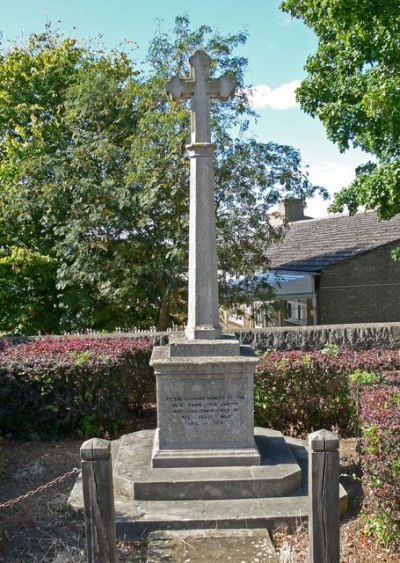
{"x": 199, "y": 88}
{"x": 200, "y": 64}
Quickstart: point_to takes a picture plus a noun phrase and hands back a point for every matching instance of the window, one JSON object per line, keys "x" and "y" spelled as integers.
{"x": 297, "y": 311}
{"x": 260, "y": 317}
{"x": 235, "y": 318}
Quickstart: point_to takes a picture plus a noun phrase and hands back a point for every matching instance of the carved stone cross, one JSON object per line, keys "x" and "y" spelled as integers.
{"x": 200, "y": 89}
{"x": 203, "y": 309}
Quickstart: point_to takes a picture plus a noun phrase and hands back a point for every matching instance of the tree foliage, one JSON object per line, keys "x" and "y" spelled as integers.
{"x": 28, "y": 294}
{"x": 353, "y": 86}
{"x": 94, "y": 174}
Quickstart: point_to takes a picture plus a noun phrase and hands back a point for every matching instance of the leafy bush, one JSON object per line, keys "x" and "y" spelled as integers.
{"x": 82, "y": 385}
{"x": 380, "y": 416}
{"x": 297, "y": 392}
{"x": 331, "y": 350}
{"x": 363, "y": 377}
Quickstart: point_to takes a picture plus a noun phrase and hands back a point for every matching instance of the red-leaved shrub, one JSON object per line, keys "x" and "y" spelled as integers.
{"x": 380, "y": 418}
{"x": 297, "y": 392}
{"x": 87, "y": 385}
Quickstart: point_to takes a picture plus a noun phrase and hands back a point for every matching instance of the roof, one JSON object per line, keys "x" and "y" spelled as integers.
{"x": 313, "y": 245}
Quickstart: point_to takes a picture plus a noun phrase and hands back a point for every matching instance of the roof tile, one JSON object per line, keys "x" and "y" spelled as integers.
{"x": 315, "y": 244}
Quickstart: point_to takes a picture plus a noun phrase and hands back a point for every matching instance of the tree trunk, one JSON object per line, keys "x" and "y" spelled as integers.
{"x": 163, "y": 318}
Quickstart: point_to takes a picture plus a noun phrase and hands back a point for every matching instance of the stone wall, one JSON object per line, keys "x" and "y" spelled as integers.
{"x": 364, "y": 289}
{"x": 358, "y": 336}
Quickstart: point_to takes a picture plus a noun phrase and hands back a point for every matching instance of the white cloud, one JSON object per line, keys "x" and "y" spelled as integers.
{"x": 331, "y": 175}
{"x": 282, "y": 97}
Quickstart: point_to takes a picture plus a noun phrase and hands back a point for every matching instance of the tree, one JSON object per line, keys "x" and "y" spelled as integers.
{"x": 32, "y": 82}
{"x": 97, "y": 177}
{"x": 50, "y": 172}
{"x": 353, "y": 87}
{"x": 28, "y": 294}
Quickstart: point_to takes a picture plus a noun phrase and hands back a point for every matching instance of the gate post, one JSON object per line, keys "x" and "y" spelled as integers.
{"x": 98, "y": 498}
{"x": 323, "y": 483}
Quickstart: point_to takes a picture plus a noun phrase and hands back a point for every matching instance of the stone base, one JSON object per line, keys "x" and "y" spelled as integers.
{"x": 134, "y": 477}
{"x": 203, "y": 457}
{"x": 223, "y": 346}
{"x": 203, "y": 333}
{"x": 228, "y": 497}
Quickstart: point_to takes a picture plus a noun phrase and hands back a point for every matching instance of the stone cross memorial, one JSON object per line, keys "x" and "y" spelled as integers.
{"x": 205, "y": 466}
{"x": 204, "y": 380}
{"x": 203, "y": 313}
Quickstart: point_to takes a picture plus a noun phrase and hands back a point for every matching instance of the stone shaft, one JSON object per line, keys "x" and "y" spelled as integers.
{"x": 203, "y": 310}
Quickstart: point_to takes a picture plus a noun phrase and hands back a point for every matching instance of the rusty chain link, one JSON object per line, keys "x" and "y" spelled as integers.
{"x": 48, "y": 485}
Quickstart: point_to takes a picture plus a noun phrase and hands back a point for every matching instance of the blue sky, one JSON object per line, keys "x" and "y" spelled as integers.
{"x": 276, "y": 49}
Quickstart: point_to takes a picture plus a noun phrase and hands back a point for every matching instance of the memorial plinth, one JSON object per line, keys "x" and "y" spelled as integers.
{"x": 204, "y": 404}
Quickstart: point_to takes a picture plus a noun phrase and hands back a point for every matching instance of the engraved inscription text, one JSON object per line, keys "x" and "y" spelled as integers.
{"x": 212, "y": 410}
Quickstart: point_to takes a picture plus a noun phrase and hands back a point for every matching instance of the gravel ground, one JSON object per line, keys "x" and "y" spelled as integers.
{"x": 42, "y": 529}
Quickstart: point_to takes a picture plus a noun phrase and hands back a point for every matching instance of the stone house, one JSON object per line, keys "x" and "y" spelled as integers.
{"x": 333, "y": 270}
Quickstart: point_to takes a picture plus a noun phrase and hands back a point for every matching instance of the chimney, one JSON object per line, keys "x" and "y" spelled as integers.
{"x": 289, "y": 211}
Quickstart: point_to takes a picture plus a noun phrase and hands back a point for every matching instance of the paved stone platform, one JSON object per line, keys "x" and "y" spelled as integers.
{"x": 203, "y": 546}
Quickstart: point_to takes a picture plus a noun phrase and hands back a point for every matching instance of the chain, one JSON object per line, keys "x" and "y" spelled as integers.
{"x": 39, "y": 489}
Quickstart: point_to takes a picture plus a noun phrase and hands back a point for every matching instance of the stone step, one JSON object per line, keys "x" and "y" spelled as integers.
{"x": 278, "y": 475}
{"x": 135, "y": 519}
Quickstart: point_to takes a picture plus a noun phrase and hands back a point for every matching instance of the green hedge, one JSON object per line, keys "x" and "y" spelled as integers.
{"x": 349, "y": 391}
{"x": 84, "y": 386}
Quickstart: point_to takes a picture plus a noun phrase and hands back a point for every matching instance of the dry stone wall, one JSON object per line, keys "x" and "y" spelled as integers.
{"x": 357, "y": 336}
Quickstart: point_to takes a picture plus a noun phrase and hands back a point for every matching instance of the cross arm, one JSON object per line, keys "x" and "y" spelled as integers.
{"x": 179, "y": 88}
{"x": 221, "y": 88}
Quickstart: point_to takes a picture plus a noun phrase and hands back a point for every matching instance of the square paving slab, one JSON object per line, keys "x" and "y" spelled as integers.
{"x": 204, "y": 546}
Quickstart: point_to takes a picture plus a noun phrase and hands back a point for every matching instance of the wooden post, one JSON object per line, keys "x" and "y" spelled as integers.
{"x": 98, "y": 498}
{"x": 323, "y": 483}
